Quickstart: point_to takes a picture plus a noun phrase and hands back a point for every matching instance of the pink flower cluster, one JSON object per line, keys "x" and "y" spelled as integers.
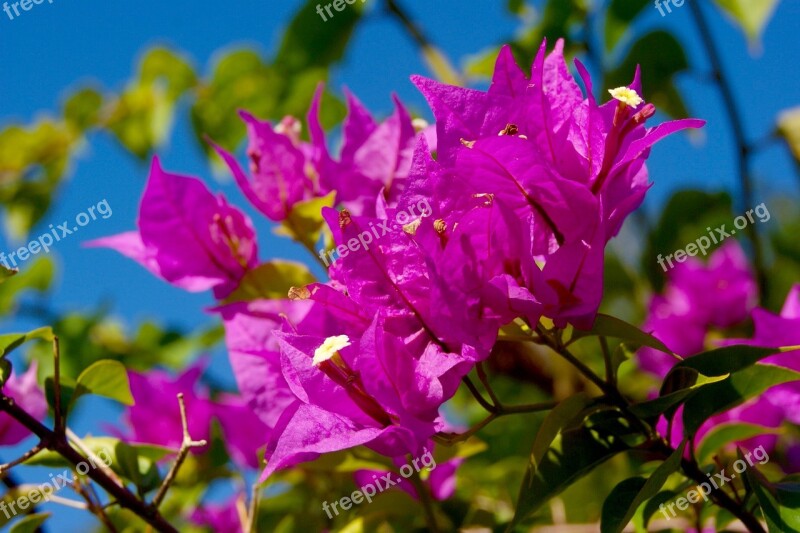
{"x": 527, "y": 182}
{"x": 700, "y": 298}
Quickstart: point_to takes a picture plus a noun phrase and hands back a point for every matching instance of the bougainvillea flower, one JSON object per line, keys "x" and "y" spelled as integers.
{"x": 226, "y": 517}
{"x": 778, "y": 331}
{"x": 697, "y": 297}
{"x": 25, "y": 391}
{"x": 279, "y": 165}
{"x": 440, "y": 479}
{"x": 244, "y": 433}
{"x": 547, "y": 152}
{"x": 377, "y": 391}
{"x": 188, "y": 236}
{"x": 156, "y": 418}
{"x": 375, "y": 157}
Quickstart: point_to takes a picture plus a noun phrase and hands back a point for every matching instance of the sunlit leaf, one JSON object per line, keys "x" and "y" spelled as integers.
{"x": 271, "y": 280}
{"x": 10, "y": 341}
{"x": 751, "y": 15}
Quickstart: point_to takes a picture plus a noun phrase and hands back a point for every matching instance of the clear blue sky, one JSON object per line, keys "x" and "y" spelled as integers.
{"x": 54, "y": 47}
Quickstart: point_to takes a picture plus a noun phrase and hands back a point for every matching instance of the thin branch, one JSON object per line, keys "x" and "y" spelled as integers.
{"x": 485, "y": 381}
{"x": 611, "y": 376}
{"x": 92, "y": 504}
{"x": 721, "y": 498}
{"x": 186, "y": 446}
{"x": 448, "y": 439}
{"x": 125, "y": 498}
{"x": 99, "y": 463}
{"x": 737, "y": 125}
{"x": 478, "y": 396}
{"x": 426, "y": 501}
{"x": 438, "y": 63}
{"x": 561, "y": 350}
{"x": 58, "y": 428}
{"x": 4, "y": 468}
{"x": 66, "y": 502}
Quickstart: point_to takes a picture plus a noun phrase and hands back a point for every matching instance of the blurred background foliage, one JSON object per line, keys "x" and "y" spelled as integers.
{"x": 37, "y": 158}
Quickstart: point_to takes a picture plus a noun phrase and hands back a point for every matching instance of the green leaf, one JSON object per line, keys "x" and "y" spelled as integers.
{"x": 104, "y": 378}
{"x": 619, "y": 16}
{"x": 662, "y": 404}
{"x": 732, "y": 391}
{"x": 751, "y": 15}
{"x": 163, "y": 66}
{"x": 30, "y": 523}
{"x": 573, "y": 454}
{"x": 559, "y": 418}
{"x": 37, "y": 277}
{"x": 779, "y": 502}
{"x": 271, "y": 280}
{"x": 652, "y": 506}
{"x": 6, "y": 273}
{"x": 661, "y": 57}
{"x": 727, "y": 360}
{"x": 141, "y": 118}
{"x": 82, "y": 109}
{"x": 608, "y": 326}
{"x": 626, "y": 497}
{"x": 304, "y": 223}
{"x": 789, "y": 130}
{"x": 240, "y": 80}
{"x": 683, "y": 220}
{"x": 721, "y": 435}
{"x": 302, "y": 49}
{"x": 10, "y": 341}
{"x": 5, "y": 371}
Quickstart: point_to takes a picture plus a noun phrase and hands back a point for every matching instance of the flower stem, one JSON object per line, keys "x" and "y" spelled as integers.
{"x": 426, "y": 500}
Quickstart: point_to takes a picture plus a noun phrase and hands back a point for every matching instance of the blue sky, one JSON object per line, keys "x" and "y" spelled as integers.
{"x": 59, "y": 45}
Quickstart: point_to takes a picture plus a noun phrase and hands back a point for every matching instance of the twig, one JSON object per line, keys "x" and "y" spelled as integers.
{"x": 96, "y": 461}
{"x": 444, "y": 70}
{"x": 611, "y": 376}
{"x": 4, "y": 468}
{"x": 186, "y": 445}
{"x": 66, "y": 502}
{"x": 485, "y": 381}
{"x": 478, "y": 396}
{"x": 426, "y": 501}
{"x": 61, "y": 446}
{"x": 92, "y": 504}
{"x": 58, "y": 428}
{"x": 252, "y": 513}
{"x": 448, "y": 439}
{"x": 737, "y": 125}
{"x": 562, "y": 350}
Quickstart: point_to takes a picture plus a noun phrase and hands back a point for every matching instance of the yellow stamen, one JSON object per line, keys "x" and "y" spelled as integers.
{"x": 330, "y": 348}
{"x": 627, "y": 96}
